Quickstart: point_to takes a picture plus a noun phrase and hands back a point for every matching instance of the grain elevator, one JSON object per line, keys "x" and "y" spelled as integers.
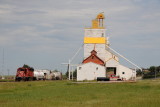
{"x": 95, "y": 40}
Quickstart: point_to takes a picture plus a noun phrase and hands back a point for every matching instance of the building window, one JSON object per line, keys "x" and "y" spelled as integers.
{"x": 102, "y": 34}
{"x": 80, "y": 68}
{"x": 123, "y": 72}
{"x": 97, "y": 68}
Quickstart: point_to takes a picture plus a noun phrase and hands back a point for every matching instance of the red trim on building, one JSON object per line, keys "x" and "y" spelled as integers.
{"x": 93, "y": 58}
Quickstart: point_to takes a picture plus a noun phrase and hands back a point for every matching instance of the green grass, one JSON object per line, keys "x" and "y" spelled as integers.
{"x": 7, "y": 80}
{"x": 144, "y": 93}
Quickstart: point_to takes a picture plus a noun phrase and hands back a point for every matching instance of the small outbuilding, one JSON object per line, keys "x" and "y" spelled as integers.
{"x": 90, "y": 71}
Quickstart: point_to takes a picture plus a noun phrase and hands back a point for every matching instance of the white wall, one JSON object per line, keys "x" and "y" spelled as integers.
{"x": 99, "y": 48}
{"x": 125, "y": 72}
{"x": 90, "y": 71}
{"x": 112, "y": 63}
{"x": 110, "y": 55}
{"x": 95, "y": 32}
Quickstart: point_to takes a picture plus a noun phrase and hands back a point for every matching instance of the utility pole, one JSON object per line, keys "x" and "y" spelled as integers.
{"x": 155, "y": 72}
{"x": 72, "y": 72}
{"x": 69, "y": 69}
{"x": 69, "y": 63}
{"x": 8, "y": 71}
{"x": 2, "y": 63}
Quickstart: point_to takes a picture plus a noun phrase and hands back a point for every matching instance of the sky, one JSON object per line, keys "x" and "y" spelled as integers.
{"x": 46, "y": 33}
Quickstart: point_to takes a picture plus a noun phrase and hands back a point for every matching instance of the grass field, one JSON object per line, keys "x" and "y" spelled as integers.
{"x": 144, "y": 93}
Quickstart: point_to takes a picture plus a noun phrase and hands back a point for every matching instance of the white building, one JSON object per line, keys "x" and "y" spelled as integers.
{"x": 95, "y": 39}
{"x": 90, "y": 71}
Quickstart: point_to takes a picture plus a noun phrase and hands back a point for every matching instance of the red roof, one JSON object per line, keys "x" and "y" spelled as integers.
{"x": 93, "y": 58}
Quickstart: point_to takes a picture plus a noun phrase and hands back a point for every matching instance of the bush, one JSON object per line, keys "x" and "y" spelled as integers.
{"x": 151, "y": 75}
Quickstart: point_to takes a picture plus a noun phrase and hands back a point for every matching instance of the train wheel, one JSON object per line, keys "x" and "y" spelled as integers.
{"x": 30, "y": 78}
{"x": 16, "y": 79}
{"x": 27, "y": 79}
{"x": 34, "y": 78}
{"x": 24, "y": 79}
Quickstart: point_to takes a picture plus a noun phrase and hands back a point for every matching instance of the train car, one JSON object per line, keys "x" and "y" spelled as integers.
{"x": 25, "y": 74}
{"x": 55, "y": 76}
{"x": 39, "y": 75}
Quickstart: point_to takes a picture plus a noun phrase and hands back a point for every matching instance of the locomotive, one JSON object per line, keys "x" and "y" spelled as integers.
{"x": 26, "y": 74}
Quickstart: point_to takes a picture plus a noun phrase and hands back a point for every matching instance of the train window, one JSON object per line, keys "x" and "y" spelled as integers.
{"x": 21, "y": 69}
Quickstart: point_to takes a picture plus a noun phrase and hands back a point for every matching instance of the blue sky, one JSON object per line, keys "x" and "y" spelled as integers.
{"x": 46, "y": 33}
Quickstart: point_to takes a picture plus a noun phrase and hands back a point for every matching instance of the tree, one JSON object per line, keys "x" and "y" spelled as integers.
{"x": 27, "y": 66}
{"x": 67, "y": 74}
{"x": 154, "y": 72}
{"x": 139, "y": 72}
{"x": 74, "y": 74}
{"x": 152, "y": 68}
{"x": 56, "y": 70}
{"x": 158, "y": 69}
